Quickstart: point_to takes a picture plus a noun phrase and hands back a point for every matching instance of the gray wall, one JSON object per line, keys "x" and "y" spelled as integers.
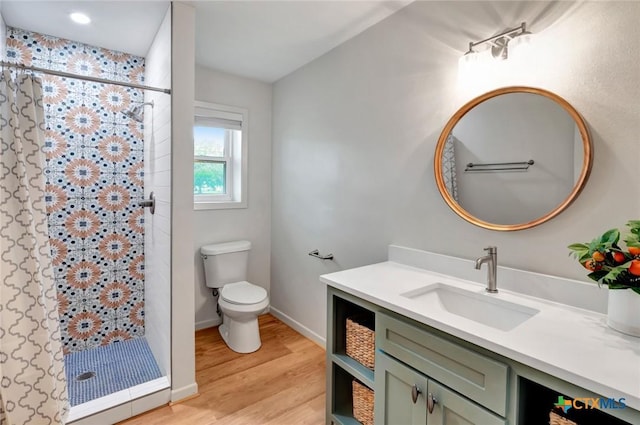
{"x": 254, "y": 222}
{"x": 355, "y": 131}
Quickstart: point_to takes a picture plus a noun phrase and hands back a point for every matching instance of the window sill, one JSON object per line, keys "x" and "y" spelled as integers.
{"x": 221, "y": 205}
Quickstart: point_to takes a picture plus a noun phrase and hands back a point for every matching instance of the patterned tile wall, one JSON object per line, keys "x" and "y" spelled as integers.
{"x": 94, "y": 176}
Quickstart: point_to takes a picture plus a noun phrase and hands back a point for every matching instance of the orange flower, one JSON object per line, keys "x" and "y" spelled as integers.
{"x": 17, "y": 52}
{"x": 114, "y": 148}
{"x": 115, "y": 336}
{"x": 54, "y": 90}
{"x": 113, "y": 198}
{"x": 115, "y": 55}
{"x": 83, "y": 64}
{"x": 136, "y": 268}
{"x": 82, "y": 172}
{"x": 83, "y": 275}
{"x": 59, "y": 251}
{"x": 137, "y": 75}
{"x": 82, "y": 224}
{"x": 82, "y": 120}
{"x": 137, "y": 314}
{"x": 136, "y": 221}
{"x": 115, "y": 295}
{"x": 136, "y": 174}
{"x": 84, "y": 325}
{"x": 54, "y": 144}
{"x": 55, "y": 198}
{"x": 114, "y": 247}
{"x": 49, "y": 41}
{"x": 114, "y": 98}
{"x": 63, "y": 304}
{"x": 136, "y": 128}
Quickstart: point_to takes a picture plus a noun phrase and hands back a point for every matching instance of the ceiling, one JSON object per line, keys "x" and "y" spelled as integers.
{"x": 264, "y": 40}
{"x": 267, "y": 40}
{"x": 126, "y": 26}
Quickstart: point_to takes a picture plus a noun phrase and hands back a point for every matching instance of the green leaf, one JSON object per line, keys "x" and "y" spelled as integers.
{"x": 634, "y": 224}
{"x": 597, "y": 275}
{"x": 615, "y": 272}
{"x": 636, "y": 290}
{"x": 633, "y": 240}
{"x": 614, "y": 285}
{"x": 584, "y": 257}
{"x": 578, "y": 247}
{"x": 610, "y": 237}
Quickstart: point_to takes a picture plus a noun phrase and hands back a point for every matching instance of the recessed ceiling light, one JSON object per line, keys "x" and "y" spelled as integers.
{"x": 80, "y": 18}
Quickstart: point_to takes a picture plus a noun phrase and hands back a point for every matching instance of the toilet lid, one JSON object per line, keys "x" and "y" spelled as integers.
{"x": 243, "y": 293}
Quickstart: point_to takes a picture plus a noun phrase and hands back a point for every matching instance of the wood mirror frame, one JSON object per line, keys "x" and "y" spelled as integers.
{"x": 587, "y": 159}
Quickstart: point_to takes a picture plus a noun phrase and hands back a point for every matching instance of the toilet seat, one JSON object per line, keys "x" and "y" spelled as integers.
{"x": 243, "y": 293}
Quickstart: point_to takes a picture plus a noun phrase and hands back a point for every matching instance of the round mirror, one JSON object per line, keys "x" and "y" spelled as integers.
{"x": 513, "y": 158}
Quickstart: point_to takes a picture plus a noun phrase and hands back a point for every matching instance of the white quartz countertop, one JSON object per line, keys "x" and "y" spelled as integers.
{"x": 570, "y": 343}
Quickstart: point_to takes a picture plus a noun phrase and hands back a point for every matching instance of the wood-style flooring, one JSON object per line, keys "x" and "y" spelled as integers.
{"x": 283, "y": 383}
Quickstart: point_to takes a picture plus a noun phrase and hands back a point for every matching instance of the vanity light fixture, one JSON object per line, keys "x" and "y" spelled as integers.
{"x": 499, "y": 44}
{"x": 80, "y": 18}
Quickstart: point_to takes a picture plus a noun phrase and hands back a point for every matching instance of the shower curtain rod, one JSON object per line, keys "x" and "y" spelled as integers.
{"x": 82, "y": 77}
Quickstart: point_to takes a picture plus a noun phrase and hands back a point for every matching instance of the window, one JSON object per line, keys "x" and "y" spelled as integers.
{"x": 219, "y": 156}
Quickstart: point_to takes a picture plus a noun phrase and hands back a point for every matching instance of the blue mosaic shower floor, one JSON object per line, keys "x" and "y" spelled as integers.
{"x": 117, "y": 366}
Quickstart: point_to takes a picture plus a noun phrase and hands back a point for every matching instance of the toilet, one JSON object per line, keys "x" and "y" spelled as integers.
{"x": 240, "y": 302}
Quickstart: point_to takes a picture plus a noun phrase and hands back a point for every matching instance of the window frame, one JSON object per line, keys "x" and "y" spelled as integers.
{"x": 235, "y": 159}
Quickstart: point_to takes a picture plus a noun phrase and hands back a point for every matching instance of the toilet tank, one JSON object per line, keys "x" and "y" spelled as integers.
{"x": 225, "y": 262}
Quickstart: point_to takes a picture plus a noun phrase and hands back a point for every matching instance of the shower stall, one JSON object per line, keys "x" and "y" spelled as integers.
{"x": 101, "y": 129}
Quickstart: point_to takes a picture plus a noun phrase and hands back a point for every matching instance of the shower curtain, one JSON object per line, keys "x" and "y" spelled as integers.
{"x": 449, "y": 167}
{"x": 32, "y": 386}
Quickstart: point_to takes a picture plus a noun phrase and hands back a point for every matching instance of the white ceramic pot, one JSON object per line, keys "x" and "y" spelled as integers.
{"x": 623, "y": 311}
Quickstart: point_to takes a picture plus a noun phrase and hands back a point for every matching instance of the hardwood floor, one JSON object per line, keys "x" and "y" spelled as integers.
{"x": 283, "y": 383}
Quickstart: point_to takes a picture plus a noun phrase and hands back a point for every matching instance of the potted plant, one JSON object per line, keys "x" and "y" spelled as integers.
{"x": 619, "y": 269}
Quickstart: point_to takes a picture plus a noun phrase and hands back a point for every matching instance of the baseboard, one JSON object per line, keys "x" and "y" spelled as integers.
{"x": 299, "y": 327}
{"x": 179, "y": 394}
{"x": 209, "y": 323}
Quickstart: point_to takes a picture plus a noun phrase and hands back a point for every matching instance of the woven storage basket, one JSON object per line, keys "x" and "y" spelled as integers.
{"x": 362, "y": 403}
{"x": 361, "y": 340}
{"x": 555, "y": 419}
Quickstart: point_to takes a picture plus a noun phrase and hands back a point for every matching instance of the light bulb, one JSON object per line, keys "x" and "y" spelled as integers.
{"x": 80, "y": 18}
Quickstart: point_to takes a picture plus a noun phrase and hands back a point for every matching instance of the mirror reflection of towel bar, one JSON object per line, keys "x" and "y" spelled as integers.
{"x": 500, "y": 166}
{"x": 316, "y": 253}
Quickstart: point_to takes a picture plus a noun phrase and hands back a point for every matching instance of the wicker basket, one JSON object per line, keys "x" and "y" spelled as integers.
{"x": 361, "y": 341}
{"x": 362, "y": 403}
{"x": 555, "y": 419}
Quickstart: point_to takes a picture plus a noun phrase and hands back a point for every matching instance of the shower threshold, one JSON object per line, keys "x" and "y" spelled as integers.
{"x": 120, "y": 398}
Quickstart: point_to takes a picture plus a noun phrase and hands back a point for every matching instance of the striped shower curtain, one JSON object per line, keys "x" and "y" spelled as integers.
{"x": 32, "y": 381}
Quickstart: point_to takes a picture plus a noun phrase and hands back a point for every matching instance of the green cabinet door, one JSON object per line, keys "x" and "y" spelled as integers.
{"x": 450, "y": 408}
{"x": 399, "y": 393}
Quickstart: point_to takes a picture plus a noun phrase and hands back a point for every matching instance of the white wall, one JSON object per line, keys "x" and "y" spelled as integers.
{"x": 183, "y": 382}
{"x": 157, "y": 179}
{"x": 254, "y": 222}
{"x": 355, "y": 132}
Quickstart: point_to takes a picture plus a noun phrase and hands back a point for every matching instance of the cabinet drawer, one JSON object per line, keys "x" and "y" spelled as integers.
{"x": 480, "y": 378}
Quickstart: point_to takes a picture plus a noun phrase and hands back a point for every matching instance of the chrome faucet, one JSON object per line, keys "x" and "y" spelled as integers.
{"x": 492, "y": 268}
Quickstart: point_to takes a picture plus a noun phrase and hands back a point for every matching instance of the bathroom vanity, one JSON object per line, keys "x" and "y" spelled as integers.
{"x": 448, "y": 352}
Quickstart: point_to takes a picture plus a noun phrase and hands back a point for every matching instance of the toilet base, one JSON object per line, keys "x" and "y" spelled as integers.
{"x": 241, "y": 337}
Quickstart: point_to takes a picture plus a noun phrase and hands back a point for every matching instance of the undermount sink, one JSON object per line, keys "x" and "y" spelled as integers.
{"x": 479, "y": 307}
